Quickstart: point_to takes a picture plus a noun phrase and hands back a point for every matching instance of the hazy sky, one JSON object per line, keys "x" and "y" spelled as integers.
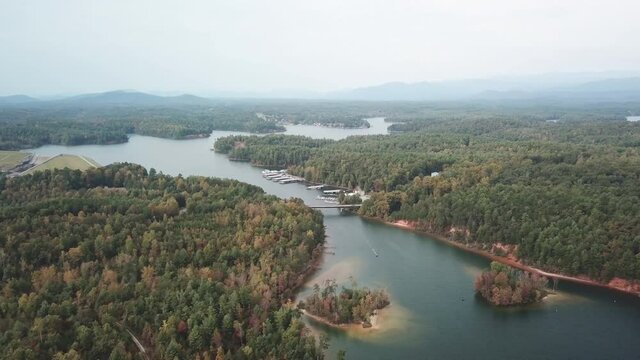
{"x": 67, "y": 46}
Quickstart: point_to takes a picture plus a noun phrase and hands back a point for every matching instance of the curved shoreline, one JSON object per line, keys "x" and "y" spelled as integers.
{"x": 406, "y": 225}
{"x": 629, "y": 287}
{"x": 314, "y": 264}
{"x": 345, "y": 327}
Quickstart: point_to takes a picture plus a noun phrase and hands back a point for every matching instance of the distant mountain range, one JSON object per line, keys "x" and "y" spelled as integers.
{"x": 132, "y": 98}
{"x": 591, "y": 87}
{"x": 111, "y": 98}
{"x": 16, "y": 99}
{"x": 623, "y": 89}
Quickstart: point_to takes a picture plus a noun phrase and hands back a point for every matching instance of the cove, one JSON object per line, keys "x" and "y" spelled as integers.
{"x": 434, "y": 313}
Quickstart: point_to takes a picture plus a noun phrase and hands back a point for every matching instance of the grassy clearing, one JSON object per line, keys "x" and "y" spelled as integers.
{"x": 65, "y": 161}
{"x": 9, "y": 159}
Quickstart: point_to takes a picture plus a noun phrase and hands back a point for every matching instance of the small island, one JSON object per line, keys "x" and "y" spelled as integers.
{"x": 350, "y": 306}
{"x": 503, "y": 286}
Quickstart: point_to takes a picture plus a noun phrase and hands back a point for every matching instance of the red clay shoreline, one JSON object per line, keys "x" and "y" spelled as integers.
{"x": 406, "y": 225}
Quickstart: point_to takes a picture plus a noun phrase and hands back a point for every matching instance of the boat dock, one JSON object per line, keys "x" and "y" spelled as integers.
{"x": 329, "y": 196}
{"x": 281, "y": 176}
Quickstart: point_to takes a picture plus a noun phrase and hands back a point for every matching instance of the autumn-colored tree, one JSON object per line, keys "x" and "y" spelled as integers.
{"x": 502, "y": 285}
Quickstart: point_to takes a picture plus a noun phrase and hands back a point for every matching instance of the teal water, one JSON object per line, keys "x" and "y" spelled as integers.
{"x": 434, "y": 313}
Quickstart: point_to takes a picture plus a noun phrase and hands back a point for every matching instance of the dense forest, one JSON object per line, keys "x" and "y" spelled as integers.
{"x": 269, "y": 151}
{"x": 77, "y": 123}
{"x": 93, "y": 262}
{"x": 67, "y": 125}
{"x": 323, "y": 113}
{"x": 565, "y": 194}
{"x": 351, "y": 305}
{"x": 503, "y": 285}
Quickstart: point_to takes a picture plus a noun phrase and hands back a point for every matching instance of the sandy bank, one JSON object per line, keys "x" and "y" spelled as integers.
{"x": 374, "y": 320}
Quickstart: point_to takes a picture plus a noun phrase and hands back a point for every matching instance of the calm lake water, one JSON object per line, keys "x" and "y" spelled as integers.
{"x": 434, "y": 313}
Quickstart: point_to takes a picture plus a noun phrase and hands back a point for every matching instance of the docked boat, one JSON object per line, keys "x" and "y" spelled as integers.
{"x": 335, "y": 192}
{"x": 273, "y": 173}
{"x": 279, "y": 177}
{"x": 330, "y": 198}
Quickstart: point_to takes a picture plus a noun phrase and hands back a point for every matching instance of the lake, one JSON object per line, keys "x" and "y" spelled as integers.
{"x": 434, "y": 313}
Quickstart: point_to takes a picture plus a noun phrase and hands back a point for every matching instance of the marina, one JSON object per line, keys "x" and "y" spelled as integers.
{"x": 281, "y": 176}
{"x": 329, "y": 196}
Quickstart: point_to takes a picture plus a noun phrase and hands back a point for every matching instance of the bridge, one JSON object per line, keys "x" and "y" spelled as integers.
{"x": 336, "y": 206}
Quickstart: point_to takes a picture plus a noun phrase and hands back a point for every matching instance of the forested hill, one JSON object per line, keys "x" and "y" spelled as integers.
{"x": 70, "y": 124}
{"x": 566, "y": 195}
{"x": 269, "y": 151}
{"x": 108, "y": 118}
{"x": 192, "y": 267}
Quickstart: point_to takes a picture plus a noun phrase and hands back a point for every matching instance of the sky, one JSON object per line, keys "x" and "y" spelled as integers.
{"x": 75, "y": 46}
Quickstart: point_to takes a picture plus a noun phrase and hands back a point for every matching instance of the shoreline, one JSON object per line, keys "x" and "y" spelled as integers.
{"x": 194, "y": 136}
{"x": 375, "y": 324}
{"x": 407, "y": 225}
{"x": 624, "y": 286}
{"x": 314, "y": 265}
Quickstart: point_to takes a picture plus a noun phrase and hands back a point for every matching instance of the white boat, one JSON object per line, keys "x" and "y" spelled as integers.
{"x": 268, "y": 176}
{"x": 272, "y": 173}
{"x": 326, "y": 198}
{"x": 337, "y": 191}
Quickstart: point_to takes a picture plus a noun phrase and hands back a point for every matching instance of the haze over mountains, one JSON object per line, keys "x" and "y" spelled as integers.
{"x": 110, "y": 98}
{"x": 558, "y": 87}
{"x": 133, "y": 97}
{"x": 580, "y": 87}
{"x": 16, "y": 99}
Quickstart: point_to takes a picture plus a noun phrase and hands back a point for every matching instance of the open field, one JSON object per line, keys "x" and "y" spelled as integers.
{"x": 64, "y": 161}
{"x": 9, "y": 159}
